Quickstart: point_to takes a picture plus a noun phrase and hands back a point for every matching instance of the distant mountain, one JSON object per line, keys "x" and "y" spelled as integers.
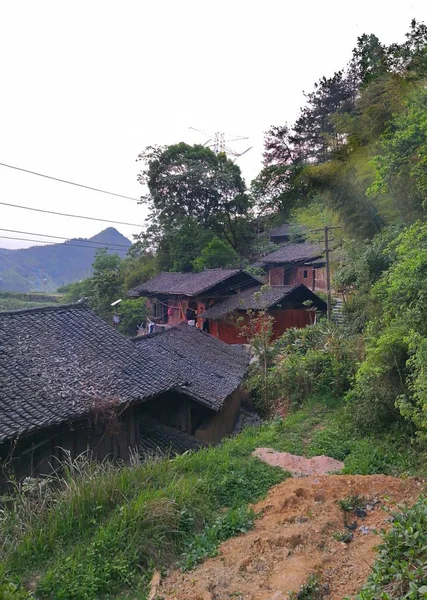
{"x": 27, "y": 269}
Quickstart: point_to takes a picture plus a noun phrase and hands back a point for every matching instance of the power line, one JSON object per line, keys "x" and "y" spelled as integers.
{"x": 88, "y": 187}
{"x": 51, "y": 212}
{"x": 45, "y": 242}
{"x": 63, "y": 238}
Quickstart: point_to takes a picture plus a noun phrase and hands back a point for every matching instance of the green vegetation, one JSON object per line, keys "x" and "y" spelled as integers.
{"x": 101, "y": 529}
{"x": 17, "y": 301}
{"x": 311, "y": 590}
{"x": 400, "y": 570}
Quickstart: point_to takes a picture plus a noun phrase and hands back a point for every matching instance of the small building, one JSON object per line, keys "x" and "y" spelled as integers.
{"x": 293, "y": 264}
{"x": 208, "y": 406}
{"x": 70, "y": 383}
{"x": 228, "y": 321}
{"x": 176, "y": 297}
{"x": 279, "y": 235}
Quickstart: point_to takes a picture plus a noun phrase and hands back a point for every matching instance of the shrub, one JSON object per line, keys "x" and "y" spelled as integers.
{"x": 316, "y": 360}
{"x": 400, "y": 570}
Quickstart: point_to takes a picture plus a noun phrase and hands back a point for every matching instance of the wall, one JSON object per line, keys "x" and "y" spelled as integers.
{"x": 312, "y": 277}
{"x": 284, "y": 318}
{"x": 220, "y": 424}
{"x": 42, "y": 452}
{"x": 176, "y": 410}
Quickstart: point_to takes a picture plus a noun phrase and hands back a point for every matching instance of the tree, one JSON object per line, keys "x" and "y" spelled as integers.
{"x": 401, "y": 167}
{"x": 106, "y": 282}
{"x": 132, "y": 313}
{"x": 192, "y": 182}
{"x": 216, "y": 254}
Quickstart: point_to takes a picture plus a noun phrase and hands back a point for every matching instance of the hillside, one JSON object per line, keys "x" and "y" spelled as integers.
{"x": 24, "y": 270}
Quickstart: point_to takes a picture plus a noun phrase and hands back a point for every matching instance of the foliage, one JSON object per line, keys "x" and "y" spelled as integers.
{"x": 205, "y": 544}
{"x": 98, "y": 527}
{"x": 400, "y": 570}
{"x": 106, "y": 283}
{"x": 358, "y": 144}
{"x": 320, "y": 359}
{"x": 217, "y": 253}
{"x": 258, "y": 331}
{"x": 73, "y": 292}
{"x": 101, "y": 528}
{"x": 186, "y": 243}
{"x": 402, "y": 165}
{"x": 192, "y": 182}
{"x": 132, "y": 313}
{"x": 390, "y": 383}
{"x": 363, "y": 266}
{"x": 311, "y": 590}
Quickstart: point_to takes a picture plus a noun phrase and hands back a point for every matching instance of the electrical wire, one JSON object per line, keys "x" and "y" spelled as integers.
{"x": 52, "y": 212}
{"x": 87, "y": 187}
{"x": 45, "y": 242}
{"x": 63, "y": 238}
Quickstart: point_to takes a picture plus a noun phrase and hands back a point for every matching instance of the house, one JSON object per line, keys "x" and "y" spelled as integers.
{"x": 296, "y": 263}
{"x": 279, "y": 235}
{"x": 176, "y": 297}
{"x": 209, "y": 404}
{"x": 229, "y": 320}
{"x": 69, "y": 383}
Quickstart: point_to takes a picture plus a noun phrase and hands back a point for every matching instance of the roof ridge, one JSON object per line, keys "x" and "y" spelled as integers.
{"x": 38, "y": 309}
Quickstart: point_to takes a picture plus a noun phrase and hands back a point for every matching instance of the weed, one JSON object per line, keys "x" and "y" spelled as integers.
{"x": 351, "y": 503}
{"x": 311, "y": 590}
{"x": 343, "y": 536}
{"x": 400, "y": 570}
{"x": 205, "y": 544}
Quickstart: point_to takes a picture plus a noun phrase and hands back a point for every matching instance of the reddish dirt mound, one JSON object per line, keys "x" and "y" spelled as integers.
{"x": 298, "y": 465}
{"x": 294, "y": 538}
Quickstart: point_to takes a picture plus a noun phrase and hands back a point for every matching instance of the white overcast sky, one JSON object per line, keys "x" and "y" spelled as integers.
{"x": 86, "y": 85}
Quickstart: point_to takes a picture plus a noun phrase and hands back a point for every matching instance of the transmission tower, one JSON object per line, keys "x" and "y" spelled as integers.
{"x": 217, "y": 141}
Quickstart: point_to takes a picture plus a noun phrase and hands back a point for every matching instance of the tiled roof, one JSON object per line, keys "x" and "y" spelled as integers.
{"x": 262, "y": 299}
{"x": 279, "y": 231}
{"x": 55, "y": 363}
{"x": 156, "y": 438}
{"x": 186, "y": 284}
{"x": 212, "y": 368}
{"x": 290, "y": 253}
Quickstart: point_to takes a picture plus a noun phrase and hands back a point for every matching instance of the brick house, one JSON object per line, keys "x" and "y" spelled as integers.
{"x": 286, "y": 304}
{"x": 173, "y": 297}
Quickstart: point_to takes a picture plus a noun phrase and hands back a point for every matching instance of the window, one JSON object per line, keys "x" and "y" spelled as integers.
{"x": 305, "y": 274}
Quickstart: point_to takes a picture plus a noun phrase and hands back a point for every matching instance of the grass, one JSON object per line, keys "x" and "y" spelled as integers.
{"x": 100, "y": 531}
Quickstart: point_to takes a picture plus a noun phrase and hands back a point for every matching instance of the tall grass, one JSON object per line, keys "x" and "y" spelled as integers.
{"x": 99, "y": 530}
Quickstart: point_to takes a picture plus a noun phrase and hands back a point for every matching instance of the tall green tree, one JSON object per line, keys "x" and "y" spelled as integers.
{"x": 106, "y": 283}
{"x": 192, "y": 182}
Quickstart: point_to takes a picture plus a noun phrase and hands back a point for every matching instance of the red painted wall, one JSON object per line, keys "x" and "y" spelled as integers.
{"x": 284, "y": 318}
{"x": 313, "y": 278}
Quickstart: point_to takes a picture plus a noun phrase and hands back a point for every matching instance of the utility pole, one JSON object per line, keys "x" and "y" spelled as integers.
{"x": 326, "y": 231}
{"x": 328, "y": 275}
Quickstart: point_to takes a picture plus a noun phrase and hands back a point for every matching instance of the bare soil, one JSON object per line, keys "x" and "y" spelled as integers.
{"x": 294, "y": 538}
{"x": 298, "y": 465}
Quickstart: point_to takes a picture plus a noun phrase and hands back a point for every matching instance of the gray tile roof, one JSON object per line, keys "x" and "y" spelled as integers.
{"x": 55, "y": 362}
{"x": 212, "y": 368}
{"x": 290, "y": 253}
{"x": 156, "y": 438}
{"x": 261, "y": 299}
{"x": 187, "y": 284}
{"x": 279, "y": 231}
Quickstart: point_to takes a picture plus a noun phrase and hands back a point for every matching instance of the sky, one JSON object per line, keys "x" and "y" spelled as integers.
{"x": 87, "y": 85}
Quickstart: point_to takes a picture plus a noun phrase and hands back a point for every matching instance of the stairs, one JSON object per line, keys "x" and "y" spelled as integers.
{"x": 337, "y": 311}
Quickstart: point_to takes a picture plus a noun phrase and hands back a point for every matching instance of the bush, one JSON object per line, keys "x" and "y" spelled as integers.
{"x": 400, "y": 570}
{"x": 316, "y": 360}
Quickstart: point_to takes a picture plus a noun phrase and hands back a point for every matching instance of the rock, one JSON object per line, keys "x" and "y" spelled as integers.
{"x": 244, "y": 563}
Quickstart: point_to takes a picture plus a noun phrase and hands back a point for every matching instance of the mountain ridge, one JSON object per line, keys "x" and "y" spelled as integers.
{"x": 46, "y": 267}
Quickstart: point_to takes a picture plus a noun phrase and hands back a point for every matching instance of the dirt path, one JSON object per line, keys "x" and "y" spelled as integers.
{"x": 294, "y": 538}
